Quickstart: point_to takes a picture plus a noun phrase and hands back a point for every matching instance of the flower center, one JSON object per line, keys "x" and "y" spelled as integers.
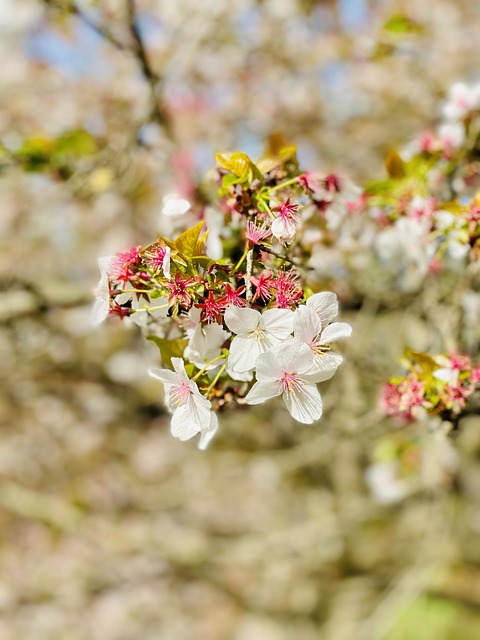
{"x": 318, "y": 348}
{"x": 290, "y": 382}
{"x": 259, "y": 333}
{"x": 181, "y": 394}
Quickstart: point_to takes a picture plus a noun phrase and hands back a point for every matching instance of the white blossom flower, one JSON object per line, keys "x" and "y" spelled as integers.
{"x": 284, "y": 229}
{"x": 101, "y": 307}
{"x": 405, "y": 243}
{"x": 256, "y": 333}
{"x": 205, "y": 344}
{"x": 452, "y": 135}
{"x": 166, "y": 262}
{"x": 461, "y": 100}
{"x": 456, "y": 235}
{"x": 191, "y": 411}
{"x": 286, "y": 222}
{"x": 173, "y": 205}
{"x": 307, "y": 329}
{"x": 385, "y": 484}
{"x": 207, "y": 435}
{"x": 285, "y": 371}
{"x": 325, "y": 304}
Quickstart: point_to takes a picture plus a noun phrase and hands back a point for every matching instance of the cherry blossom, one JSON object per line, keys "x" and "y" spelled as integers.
{"x": 285, "y": 225}
{"x": 173, "y": 205}
{"x": 308, "y": 330}
{"x": 101, "y": 307}
{"x": 191, "y": 410}
{"x": 286, "y": 371}
{"x": 205, "y": 345}
{"x": 255, "y": 333}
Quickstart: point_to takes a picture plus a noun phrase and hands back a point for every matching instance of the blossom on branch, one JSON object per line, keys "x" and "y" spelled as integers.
{"x": 256, "y": 333}
{"x": 191, "y": 410}
{"x": 286, "y": 371}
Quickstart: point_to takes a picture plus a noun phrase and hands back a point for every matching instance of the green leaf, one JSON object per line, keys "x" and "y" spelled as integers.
{"x": 76, "y": 143}
{"x": 191, "y": 242}
{"x": 204, "y": 261}
{"x": 454, "y": 207}
{"x": 378, "y": 187}
{"x": 239, "y": 164}
{"x": 394, "y": 164}
{"x": 169, "y": 348}
{"x": 36, "y": 152}
{"x": 229, "y": 179}
{"x": 283, "y": 155}
{"x": 401, "y": 24}
{"x": 423, "y": 360}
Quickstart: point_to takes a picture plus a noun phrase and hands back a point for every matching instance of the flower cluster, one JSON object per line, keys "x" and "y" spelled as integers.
{"x": 438, "y": 385}
{"x": 422, "y": 217}
{"x": 226, "y": 304}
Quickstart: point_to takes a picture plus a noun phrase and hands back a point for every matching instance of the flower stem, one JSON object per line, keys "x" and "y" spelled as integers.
{"x": 282, "y": 185}
{"x": 137, "y": 290}
{"x": 239, "y": 263}
{"x": 202, "y": 371}
{"x": 160, "y": 306}
{"x": 216, "y": 379}
{"x": 248, "y": 276}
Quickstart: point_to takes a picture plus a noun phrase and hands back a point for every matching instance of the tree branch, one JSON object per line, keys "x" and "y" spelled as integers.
{"x": 85, "y": 18}
{"x": 158, "y": 112}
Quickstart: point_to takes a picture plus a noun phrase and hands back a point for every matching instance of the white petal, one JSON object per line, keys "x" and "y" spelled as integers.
{"x": 307, "y": 324}
{"x": 215, "y": 335}
{"x": 446, "y": 375}
{"x": 195, "y": 314}
{"x": 191, "y": 417}
{"x": 241, "y": 319}
{"x": 104, "y": 263}
{"x": 335, "y": 331}
{"x": 101, "y": 308}
{"x": 166, "y": 263}
{"x": 207, "y": 436}
{"x": 184, "y": 426}
{"x": 325, "y": 304}
{"x": 323, "y": 367}
{"x": 294, "y": 356}
{"x": 164, "y": 375}
{"x": 174, "y": 206}
{"x": 305, "y": 405}
{"x": 269, "y": 366}
{"x": 262, "y": 391}
{"x": 284, "y": 230}
{"x": 179, "y": 366}
{"x": 244, "y": 376}
{"x": 244, "y": 352}
{"x": 278, "y": 322}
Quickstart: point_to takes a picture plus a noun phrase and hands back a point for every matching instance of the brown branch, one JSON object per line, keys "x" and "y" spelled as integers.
{"x": 154, "y": 80}
{"x": 284, "y": 258}
{"x": 157, "y": 111}
{"x": 81, "y": 15}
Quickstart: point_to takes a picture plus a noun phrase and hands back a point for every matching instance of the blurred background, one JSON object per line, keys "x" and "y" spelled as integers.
{"x": 350, "y": 529}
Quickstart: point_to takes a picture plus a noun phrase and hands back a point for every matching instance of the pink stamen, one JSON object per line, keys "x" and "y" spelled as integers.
{"x": 181, "y": 394}
{"x": 289, "y": 382}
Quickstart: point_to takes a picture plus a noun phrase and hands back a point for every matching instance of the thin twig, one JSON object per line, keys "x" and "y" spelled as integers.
{"x": 73, "y": 8}
{"x": 153, "y": 79}
{"x": 285, "y": 259}
{"x": 248, "y": 276}
{"x": 157, "y": 111}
